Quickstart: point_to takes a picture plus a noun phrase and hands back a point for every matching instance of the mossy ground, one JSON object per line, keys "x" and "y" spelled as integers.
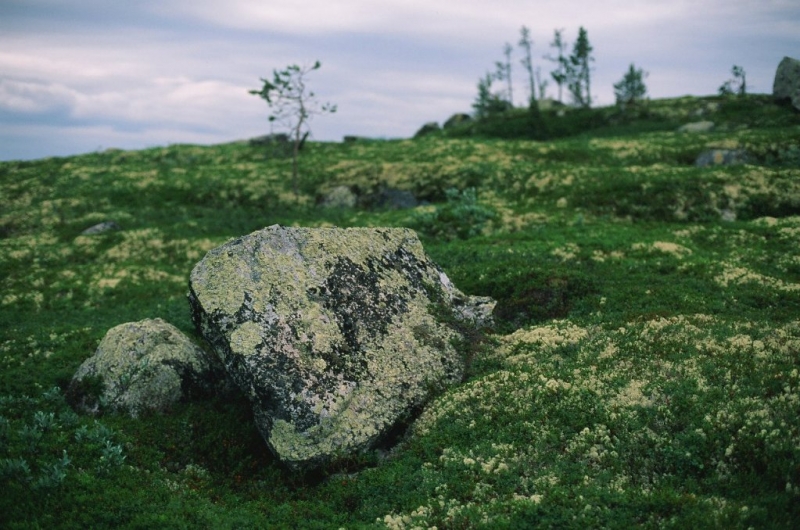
{"x": 644, "y": 371}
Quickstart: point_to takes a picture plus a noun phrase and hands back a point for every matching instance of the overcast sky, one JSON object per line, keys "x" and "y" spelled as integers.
{"x": 81, "y": 75}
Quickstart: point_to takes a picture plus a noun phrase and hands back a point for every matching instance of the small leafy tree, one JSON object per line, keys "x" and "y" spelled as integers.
{"x": 560, "y": 74}
{"x": 631, "y": 88}
{"x": 579, "y": 73}
{"x": 737, "y": 85}
{"x": 293, "y": 105}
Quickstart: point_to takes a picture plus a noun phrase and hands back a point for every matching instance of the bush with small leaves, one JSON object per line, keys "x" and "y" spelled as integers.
{"x": 44, "y": 445}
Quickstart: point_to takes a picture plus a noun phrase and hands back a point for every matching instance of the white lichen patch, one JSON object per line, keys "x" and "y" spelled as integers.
{"x": 666, "y": 247}
{"x": 733, "y": 274}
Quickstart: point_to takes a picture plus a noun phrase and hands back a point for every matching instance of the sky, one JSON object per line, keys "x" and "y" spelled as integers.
{"x": 79, "y": 76}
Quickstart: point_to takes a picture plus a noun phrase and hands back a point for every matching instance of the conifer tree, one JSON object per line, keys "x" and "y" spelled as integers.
{"x": 580, "y": 71}
{"x": 631, "y": 88}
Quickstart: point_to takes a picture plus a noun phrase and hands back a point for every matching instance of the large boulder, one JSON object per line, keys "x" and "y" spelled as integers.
{"x": 143, "y": 366}
{"x": 336, "y": 335}
{"x": 786, "y": 86}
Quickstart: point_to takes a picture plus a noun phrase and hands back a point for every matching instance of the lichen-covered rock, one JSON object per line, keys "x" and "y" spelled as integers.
{"x": 786, "y": 86}
{"x": 334, "y": 334}
{"x": 143, "y": 366}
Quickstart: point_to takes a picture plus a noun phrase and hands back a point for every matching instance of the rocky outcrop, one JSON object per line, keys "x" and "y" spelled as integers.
{"x": 143, "y": 366}
{"x": 786, "y": 86}
{"x": 336, "y": 335}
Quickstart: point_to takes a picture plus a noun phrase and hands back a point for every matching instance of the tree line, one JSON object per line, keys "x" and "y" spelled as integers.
{"x": 571, "y": 73}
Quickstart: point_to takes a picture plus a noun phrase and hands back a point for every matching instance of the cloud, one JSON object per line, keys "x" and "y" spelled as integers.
{"x": 34, "y": 97}
{"x": 136, "y": 72}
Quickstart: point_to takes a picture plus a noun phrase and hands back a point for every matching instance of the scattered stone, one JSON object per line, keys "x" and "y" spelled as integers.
{"x": 786, "y": 86}
{"x": 388, "y": 199}
{"x": 270, "y": 139}
{"x": 336, "y": 335}
{"x": 457, "y": 119}
{"x": 143, "y": 366}
{"x": 721, "y": 157}
{"x": 101, "y": 228}
{"x": 428, "y": 128}
{"x": 697, "y": 127}
{"x": 339, "y": 197}
{"x": 350, "y": 139}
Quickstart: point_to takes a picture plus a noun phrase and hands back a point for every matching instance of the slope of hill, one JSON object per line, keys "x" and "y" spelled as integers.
{"x": 645, "y": 370}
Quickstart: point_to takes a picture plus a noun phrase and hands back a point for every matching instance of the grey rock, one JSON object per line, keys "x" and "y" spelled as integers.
{"x": 721, "y": 157}
{"x": 339, "y": 197}
{"x": 144, "y": 366}
{"x": 697, "y": 127}
{"x": 388, "y": 199}
{"x": 457, "y": 119}
{"x": 352, "y": 139}
{"x": 786, "y": 86}
{"x": 428, "y": 128}
{"x": 270, "y": 139}
{"x": 101, "y": 228}
{"x": 332, "y": 333}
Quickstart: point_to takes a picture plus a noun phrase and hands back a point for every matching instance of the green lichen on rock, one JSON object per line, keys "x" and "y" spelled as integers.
{"x": 330, "y": 333}
{"x": 142, "y": 366}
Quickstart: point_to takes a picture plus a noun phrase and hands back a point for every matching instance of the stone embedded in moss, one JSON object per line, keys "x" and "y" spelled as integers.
{"x": 334, "y": 334}
{"x": 143, "y": 366}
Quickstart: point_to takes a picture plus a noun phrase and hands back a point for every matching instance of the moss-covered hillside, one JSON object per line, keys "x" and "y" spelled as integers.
{"x": 645, "y": 370}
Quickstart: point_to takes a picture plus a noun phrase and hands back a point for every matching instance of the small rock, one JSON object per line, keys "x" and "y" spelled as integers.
{"x": 143, "y": 366}
{"x": 351, "y": 139}
{"x": 457, "y": 119}
{"x": 101, "y": 228}
{"x": 388, "y": 199}
{"x": 428, "y": 128}
{"x": 270, "y": 139}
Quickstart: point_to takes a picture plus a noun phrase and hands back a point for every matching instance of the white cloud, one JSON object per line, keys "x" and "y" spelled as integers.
{"x": 140, "y": 71}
